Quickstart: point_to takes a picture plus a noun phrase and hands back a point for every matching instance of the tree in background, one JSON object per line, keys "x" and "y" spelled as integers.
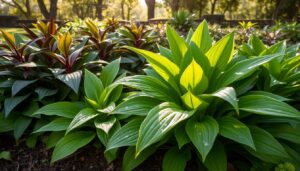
{"x": 24, "y": 6}
{"x": 151, "y": 8}
{"x": 229, "y": 6}
{"x": 127, "y": 4}
{"x": 52, "y": 12}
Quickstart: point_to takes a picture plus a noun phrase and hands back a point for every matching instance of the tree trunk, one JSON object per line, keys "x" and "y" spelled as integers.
{"x": 53, "y": 9}
{"x": 151, "y": 8}
{"x": 99, "y": 9}
{"x": 43, "y": 8}
{"x": 277, "y": 9}
{"x": 189, "y": 4}
{"x": 175, "y": 6}
{"x": 122, "y": 9}
{"x": 213, "y": 7}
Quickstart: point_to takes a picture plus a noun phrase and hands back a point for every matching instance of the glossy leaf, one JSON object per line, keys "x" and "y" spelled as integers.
{"x": 63, "y": 109}
{"x": 177, "y": 45}
{"x": 235, "y": 130}
{"x": 267, "y": 147}
{"x": 216, "y": 160}
{"x": 110, "y": 72}
{"x": 140, "y": 105}
{"x": 175, "y": 160}
{"x": 203, "y": 134}
{"x": 202, "y": 38}
{"x": 93, "y": 86}
{"x": 71, "y": 143}
{"x": 264, "y": 105}
{"x": 72, "y": 80}
{"x": 82, "y": 117}
{"x": 159, "y": 121}
{"x": 12, "y": 102}
{"x": 228, "y": 94}
{"x": 19, "y": 85}
{"x": 58, "y": 124}
{"x": 125, "y": 136}
{"x": 193, "y": 79}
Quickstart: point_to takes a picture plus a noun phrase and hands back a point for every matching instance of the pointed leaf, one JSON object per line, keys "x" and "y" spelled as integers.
{"x": 63, "y": 109}
{"x": 159, "y": 121}
{"x": 109, "y": 72}
{"x": 92, "y": 86}
{"x": 235, "y": 130}
{"x": 202, "y": 38}
{"x": 175, "y": 160}
{"x": 264, "y": 105}
{"x": 12, "y": 102}
{"x": 177, "y": 45}
{"x": 140, "y": 105}
{"x": 19, "y": 85}
{"x": 125, "y": 136}
{"x": 72, "y": 80}
{"x": 58, "y": 124}
{"x": 228, "y": 94}
{"x": 193, "y": 79}
{"x": 82, "y": 117}
{"x": 216, "y": 160}
{"x": 105, "y": 125}
{"x": 203, "y": 134}
{"x": 71, "y": 143}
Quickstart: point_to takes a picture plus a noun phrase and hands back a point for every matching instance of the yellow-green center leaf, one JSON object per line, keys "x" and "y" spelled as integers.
{"x": 191, "y": 101}
{"x": 193, "y": 78}
{"x": 163, "y": 66}
{"x": 159, "y": 121}
{"x": 221, "y": 53}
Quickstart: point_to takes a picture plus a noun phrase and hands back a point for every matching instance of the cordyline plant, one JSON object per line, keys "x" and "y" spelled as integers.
{"x": 98, "y": 40}
{"x": 101, "y": 95}
{"x": 190, "y": 102}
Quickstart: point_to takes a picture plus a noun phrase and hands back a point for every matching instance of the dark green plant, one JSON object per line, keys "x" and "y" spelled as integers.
{"x": 201, "y": 110}
{"x": 93, "y": 113}
{"x": 182, "y": 21}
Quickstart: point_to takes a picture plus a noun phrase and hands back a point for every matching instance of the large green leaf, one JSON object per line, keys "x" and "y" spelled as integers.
{"x": 159, "y": 121}
{"x": 20, "y": 125}
{"x": 92, "y": 86}
{"x": 130, "y": 161}
{"x": 203, "y": 134}
{"x": 285, "y": 131}
{"x": 264, "y": 105}
{"x": 82, "y": 117}
{"x": 109, "y": 72}
{"x": 177, "y": 44}
{"x": 163, "y": 66}
{"x": 220, "y": 54}
{"x": 267, "y": 147}
{"x": 175, "y": 160}
{"x": 181, "y": 136}
{"x": 71, "y": 143}
{"x": 19, "y": 85}
{"x": 140, "y": 105}
{"x": 216, "y": 160}
{"x": 193, "y": 78}
{"x": 12, "y": 102}
{"x": 202, "y": 38}
{"x": 6, "y": 124}
{"x": 228, "y": 94}
{"x": 235, "y": 130}
{"x": 151, "y": 86}
{"x": 58, "y": 124}
{"x": 125, "y": 136}
{"x": 71, "y": 79}
{"x": 242, "y": 69}
{"x": 63, "y": 109}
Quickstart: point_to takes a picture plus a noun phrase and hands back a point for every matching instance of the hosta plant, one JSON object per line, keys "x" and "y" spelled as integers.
{"x": 197, "y": 100}
{"x": 77, "y": 123}
{"x": 99, "y": 42}
{"x": 280, "y": 76}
